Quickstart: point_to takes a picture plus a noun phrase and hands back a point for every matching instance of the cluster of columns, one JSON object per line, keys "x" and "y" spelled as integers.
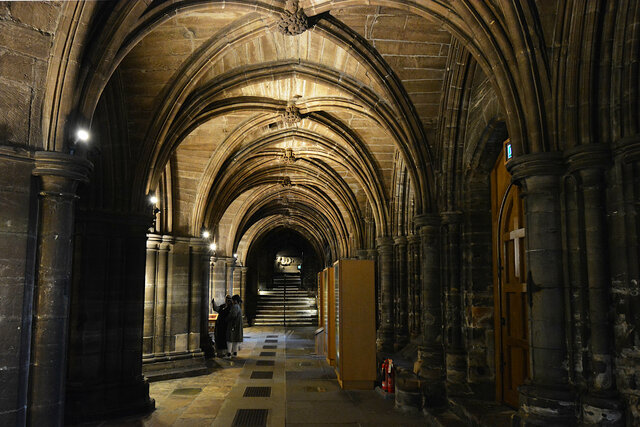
{"x": 175, "y": 308}
{"x": 227, "y": 278}
{"x": 421, "y": 301}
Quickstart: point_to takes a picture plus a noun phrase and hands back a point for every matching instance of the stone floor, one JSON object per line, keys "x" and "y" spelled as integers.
{"x": 303, "y": 390}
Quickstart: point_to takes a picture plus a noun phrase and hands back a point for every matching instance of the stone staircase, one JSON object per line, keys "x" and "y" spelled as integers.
{"x": 286, "y": 304}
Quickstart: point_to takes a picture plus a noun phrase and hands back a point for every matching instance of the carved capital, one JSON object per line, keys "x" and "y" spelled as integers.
{"x": 384, "y": 243}
{"x": 60, "y": 173}
{"x": 451, "y": 217}
{"x": 628, "y": 149}
{"x": 589, "y": 156}
{"x": 426, "y": 220}
{"x": 537, "y": 164}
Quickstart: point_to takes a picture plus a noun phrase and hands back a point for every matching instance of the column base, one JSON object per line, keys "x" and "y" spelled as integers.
{"x": 174, "y": 365}
{"x": 546, "y": 406}
{"x": 457, "y": 374}
{"x": 432, "y": 374}
{"x": 91, "y": 402}
{"x": 602, "y": 411}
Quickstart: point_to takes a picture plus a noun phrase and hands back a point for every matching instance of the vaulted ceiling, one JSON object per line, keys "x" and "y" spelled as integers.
{"x": 241, "y": 126}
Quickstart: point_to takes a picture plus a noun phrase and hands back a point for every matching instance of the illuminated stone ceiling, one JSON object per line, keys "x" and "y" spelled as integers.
{"x": 244, "y": 124}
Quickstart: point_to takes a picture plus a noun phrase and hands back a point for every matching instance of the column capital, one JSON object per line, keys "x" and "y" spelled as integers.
{"x": 427, "y": 219}
{"x": 400, "y": 240}
{"x": 628, "y": 148}
{"x": 588, "y": 156}
{"x": 60, "y": 172}
{"x": 413, "y": 238}
{"x": 384, "y": 242}
{"x": 153, "y": 241}
{"x": 451, "y": 217}
{"x": 536, "y": 164}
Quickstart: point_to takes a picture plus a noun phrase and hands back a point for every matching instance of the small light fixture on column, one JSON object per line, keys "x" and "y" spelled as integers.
{"x": 206, "y": 234}
{"x": 82, "y": 135}
{"x": 213, "y": 246}
{"x": 153, "y": 200}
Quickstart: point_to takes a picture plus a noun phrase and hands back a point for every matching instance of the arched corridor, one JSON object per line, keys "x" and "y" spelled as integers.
{"x": 481, "y": 159}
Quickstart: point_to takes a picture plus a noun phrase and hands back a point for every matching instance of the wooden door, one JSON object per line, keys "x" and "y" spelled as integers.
{"x": 510, "y": 288}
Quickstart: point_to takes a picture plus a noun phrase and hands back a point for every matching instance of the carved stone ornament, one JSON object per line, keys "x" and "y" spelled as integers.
{"x": 286, "y": 181}
{"x": 291, "y": 115}
{"x": 293, "y": 20}
{"x": 288, "y": 155}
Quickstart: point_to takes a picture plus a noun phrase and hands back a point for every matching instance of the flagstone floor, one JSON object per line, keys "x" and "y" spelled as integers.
{"x": 302, "y": 391}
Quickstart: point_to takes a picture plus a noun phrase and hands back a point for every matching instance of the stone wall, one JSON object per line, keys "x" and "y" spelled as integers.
{"x": 26, "y": 38}
{"x": 18, "y": 214}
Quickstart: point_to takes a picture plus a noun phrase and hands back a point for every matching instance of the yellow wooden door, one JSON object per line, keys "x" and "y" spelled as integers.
{"x": 510, "y": 287}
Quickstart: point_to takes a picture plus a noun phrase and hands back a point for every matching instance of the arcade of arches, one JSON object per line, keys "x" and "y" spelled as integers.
{"x": 486, "y": 155}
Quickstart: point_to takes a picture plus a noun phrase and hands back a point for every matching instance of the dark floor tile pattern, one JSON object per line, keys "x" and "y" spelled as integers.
{"x": 262, "y": 375}
{"x": 267, "y": 354}
{"x": 269, "y": 347}
{"x": 272, "y": 336}
{"x": 271, "y": 340}
{"x": 250, "y": 418}
{"x": 265, "y": 363}
{"x": 257, "y": 392}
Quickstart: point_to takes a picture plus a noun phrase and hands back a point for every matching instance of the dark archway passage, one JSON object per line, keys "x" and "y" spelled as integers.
{"x": 268, "y": 278}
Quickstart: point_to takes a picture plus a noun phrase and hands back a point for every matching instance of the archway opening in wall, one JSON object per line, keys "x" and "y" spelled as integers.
{"x": 282, "y": 280}
{"x": 510, "y": 283}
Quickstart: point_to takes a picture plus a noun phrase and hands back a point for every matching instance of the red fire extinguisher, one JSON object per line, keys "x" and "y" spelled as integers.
{"x": 388, "y": 373}
{"x": 385, "y": 364}
{"x": 391, "y": 372}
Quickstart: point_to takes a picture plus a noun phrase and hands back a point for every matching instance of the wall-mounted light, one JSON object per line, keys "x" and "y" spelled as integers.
{"x": 235, "y": 255}
{"x": 153, "y": 199}
{"x": 206, "y": 234}
{"x": 213, "y": 246}
{"x": 83, "y": 135}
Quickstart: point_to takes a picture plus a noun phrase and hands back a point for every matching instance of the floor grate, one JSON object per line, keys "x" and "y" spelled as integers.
{"x": 261, "y": 375}
{"x": 269, "y": 347}
{"x": 271, "y": 340}
{"x": 250, "y": 418}
{"x": 265, "y": 363}
{"x": 257, "y": 392}
{"x": 267, "y": 353}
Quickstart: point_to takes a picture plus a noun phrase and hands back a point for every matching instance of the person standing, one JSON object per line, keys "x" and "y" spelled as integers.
{"x": 222, "y": 322}
{"x": 234, "y": 327}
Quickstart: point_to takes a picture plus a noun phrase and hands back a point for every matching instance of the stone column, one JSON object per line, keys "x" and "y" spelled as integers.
{"x": 59, "y": 177}
{"x": 547, "y": 398}
{"x": 237, "y": 277}
{"x": 413, "y": 269}
{"x": 401, "y": 293}
{"x": 231, "y": 263}
{"x": 243, "y": 293}
{"x": 219, "y": 278}
{"x": 197, "y": 292}
{"x": 456, "y": 358}
{"x": 385, "y": 264}
{"x": 153, "y": 244}
{"x": 159, "y": 315}
{"x": 206, "y": 343}
{"x": 431, "y": 350}
{"x": 589, "y": 163}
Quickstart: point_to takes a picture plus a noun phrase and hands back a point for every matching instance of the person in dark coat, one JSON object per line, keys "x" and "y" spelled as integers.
{"x": 220, "y": 332}
{"x": 234, "y": 327}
